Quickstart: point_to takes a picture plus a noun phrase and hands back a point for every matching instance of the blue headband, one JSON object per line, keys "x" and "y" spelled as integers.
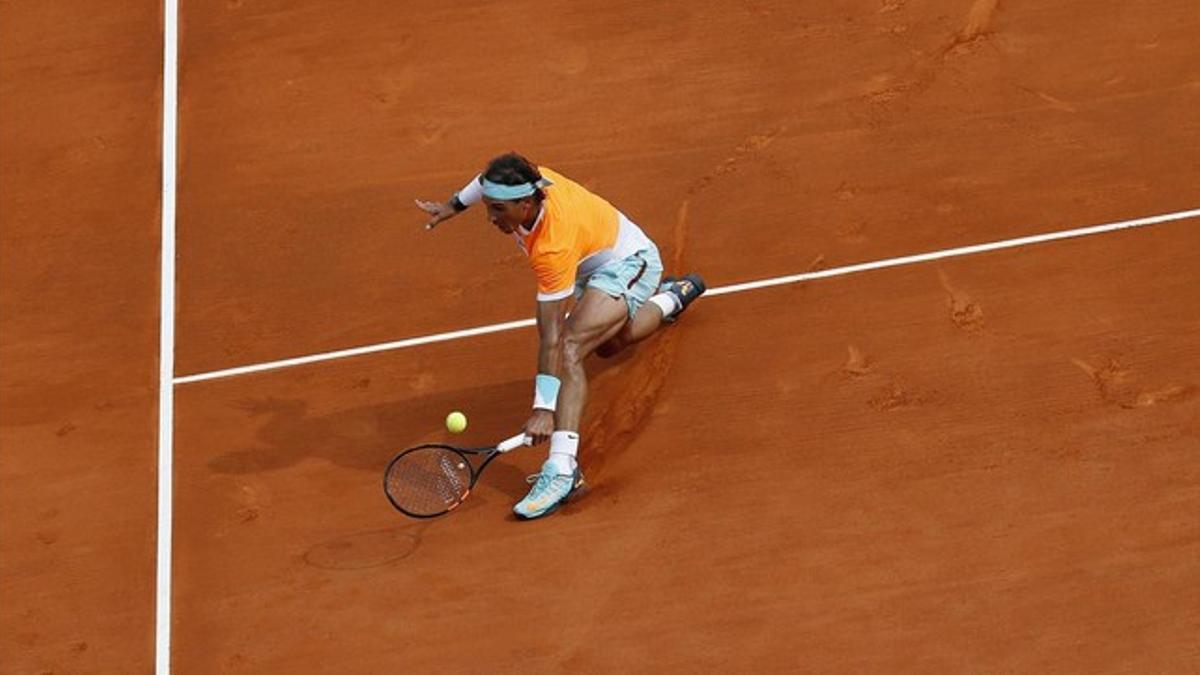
{"x": 510, "y": 192}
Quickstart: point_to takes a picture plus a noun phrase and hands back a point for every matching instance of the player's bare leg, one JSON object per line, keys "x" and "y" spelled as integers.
{"x": 648, "y": 319}
{"x": 595, "y": 319}
{"x": 652, "y": 315}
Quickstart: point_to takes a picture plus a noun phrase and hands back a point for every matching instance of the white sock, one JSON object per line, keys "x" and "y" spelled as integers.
{"x": 564, "y": 445}
{"x": 667, "y": 303}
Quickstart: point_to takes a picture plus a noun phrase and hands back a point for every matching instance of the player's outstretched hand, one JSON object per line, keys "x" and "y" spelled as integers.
{"x": 438, "y": 210}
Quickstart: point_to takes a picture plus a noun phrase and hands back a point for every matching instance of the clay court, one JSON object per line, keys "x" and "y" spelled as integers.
{"x": 976, "y": 463}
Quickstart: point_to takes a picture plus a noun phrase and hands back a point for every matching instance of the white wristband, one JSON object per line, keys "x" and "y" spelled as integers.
{"x": 471, "y": 193}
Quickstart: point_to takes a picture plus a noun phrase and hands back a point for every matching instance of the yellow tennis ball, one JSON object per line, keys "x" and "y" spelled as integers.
{"x": 456, "y": 422}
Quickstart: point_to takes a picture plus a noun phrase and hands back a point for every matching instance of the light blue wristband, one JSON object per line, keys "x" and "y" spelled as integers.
{"x": 545, "y": 392}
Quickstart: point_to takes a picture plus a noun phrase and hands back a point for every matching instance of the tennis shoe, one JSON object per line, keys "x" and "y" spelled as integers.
{"x": 685, "y": 290}
{"x": 550, "y": 490}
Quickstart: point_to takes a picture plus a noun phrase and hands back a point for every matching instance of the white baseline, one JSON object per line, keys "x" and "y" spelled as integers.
{"x": 723, "y": 290}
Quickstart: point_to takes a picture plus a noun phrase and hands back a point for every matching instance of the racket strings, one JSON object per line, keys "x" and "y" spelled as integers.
{"x": 429, "y": 481}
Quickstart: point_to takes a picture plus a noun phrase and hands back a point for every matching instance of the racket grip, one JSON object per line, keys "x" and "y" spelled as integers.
{"x": 514, "y": 442}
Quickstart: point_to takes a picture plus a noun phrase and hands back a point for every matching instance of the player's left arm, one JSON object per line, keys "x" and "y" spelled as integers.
{"x": 551, "y": 323}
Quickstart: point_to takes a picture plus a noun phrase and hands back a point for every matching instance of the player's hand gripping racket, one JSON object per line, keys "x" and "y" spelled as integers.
{"x": 433, "y": 479}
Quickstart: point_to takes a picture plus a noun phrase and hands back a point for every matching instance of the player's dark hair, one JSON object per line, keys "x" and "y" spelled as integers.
{"x": 513, "y": 169}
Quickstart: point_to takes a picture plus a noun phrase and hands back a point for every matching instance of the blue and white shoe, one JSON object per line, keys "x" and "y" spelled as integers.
{"x": 550, "y": 490}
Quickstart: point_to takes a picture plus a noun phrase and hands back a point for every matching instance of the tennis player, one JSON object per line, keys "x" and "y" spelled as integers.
{"x": 583, "y": 249}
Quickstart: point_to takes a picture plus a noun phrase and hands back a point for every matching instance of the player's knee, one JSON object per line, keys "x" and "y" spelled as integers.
{"x": 572, "y": 349}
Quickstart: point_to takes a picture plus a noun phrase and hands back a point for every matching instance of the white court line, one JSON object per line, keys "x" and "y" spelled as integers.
{"x": 357, "y": 351}
{"x": 954, "y": 252}
{"x": 723, "y": 290}
{"x": 166, "y": 343}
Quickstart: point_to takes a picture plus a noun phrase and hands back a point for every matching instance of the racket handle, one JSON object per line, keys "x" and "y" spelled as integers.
{"x": 514, "y": 442}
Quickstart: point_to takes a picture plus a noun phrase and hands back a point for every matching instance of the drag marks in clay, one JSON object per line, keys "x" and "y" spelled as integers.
{"x": 1118, "y": 385}
{"x": 888, "y": 392}
{"x": 965, "y": 311}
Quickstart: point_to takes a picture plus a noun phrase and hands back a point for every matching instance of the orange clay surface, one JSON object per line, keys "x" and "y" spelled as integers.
{"x": 80, "y": 91}
{"x": 988, "y": 463}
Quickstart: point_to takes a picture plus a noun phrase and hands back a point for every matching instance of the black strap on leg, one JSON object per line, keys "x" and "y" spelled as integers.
{"x": 637, "y": 277}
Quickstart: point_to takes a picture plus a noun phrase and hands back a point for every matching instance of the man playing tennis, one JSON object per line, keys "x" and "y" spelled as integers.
{"x": 580, "y": 247}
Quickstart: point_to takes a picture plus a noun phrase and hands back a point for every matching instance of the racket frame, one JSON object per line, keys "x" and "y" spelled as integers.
{"x": 490, "y": 453}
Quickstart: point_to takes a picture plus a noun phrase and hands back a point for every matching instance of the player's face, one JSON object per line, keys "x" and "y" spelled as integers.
{"x": 509, "y": 215}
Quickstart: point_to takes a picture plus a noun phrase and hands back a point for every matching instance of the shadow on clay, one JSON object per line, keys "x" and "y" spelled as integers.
{"x": 367, "y": 438}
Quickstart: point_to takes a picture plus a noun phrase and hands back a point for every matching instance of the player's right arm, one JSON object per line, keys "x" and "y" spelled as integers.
{"x": 471, "y": 193}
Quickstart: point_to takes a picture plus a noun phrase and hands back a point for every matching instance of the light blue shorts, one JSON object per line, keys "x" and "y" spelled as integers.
{"x": 634, "y": 279}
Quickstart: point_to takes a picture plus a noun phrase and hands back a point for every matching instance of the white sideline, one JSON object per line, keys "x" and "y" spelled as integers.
{"x": 723, "y": 290}
{"x": 166, "y": 343}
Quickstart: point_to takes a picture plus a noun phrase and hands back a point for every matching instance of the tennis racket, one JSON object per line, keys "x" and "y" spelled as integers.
{"x": 433, "y": 479}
